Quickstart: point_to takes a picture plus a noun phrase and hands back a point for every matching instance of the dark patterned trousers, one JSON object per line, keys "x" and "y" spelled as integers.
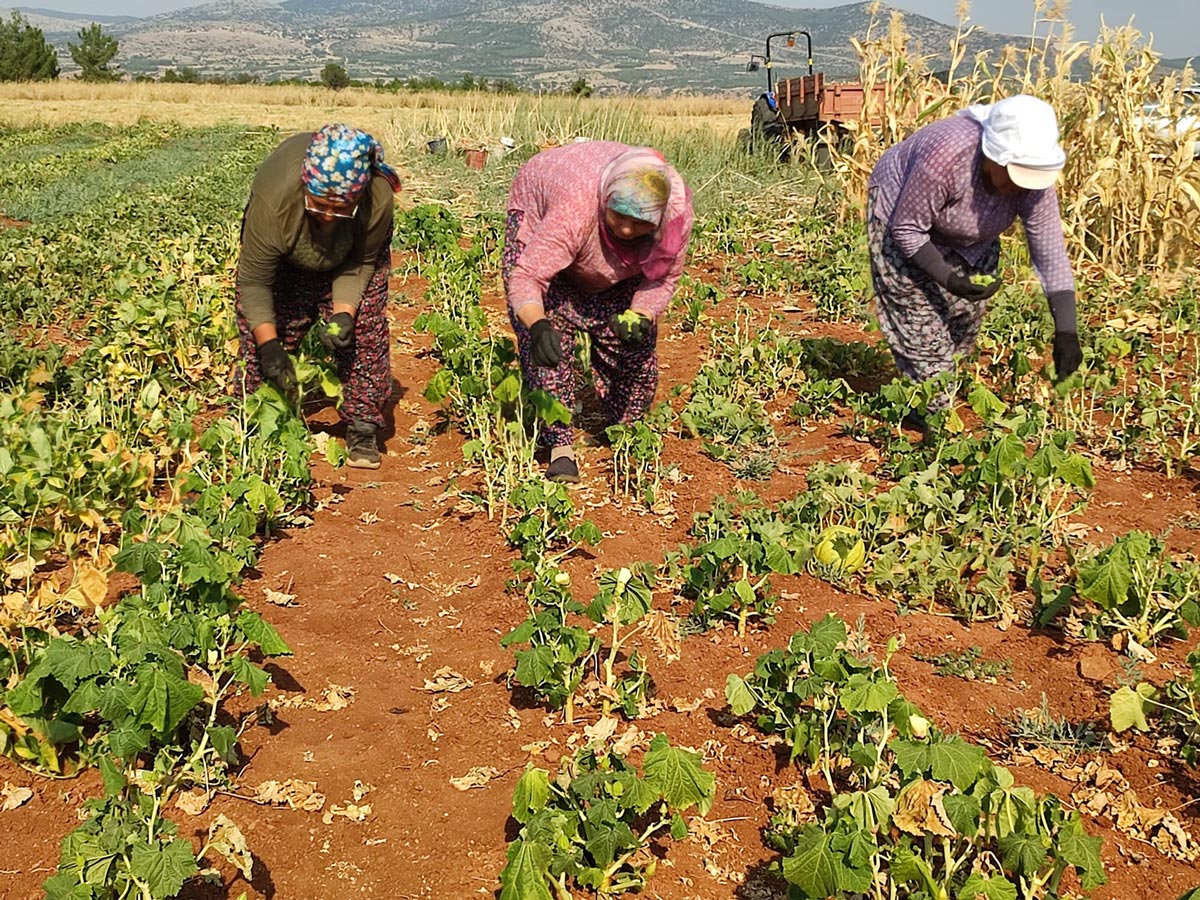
{"x": 365, "y": 367}
{"x": 625, "y": 377}
{"x": 926, "y": 327}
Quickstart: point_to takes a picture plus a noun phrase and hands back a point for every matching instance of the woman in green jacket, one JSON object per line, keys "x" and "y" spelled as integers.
{"x": 316, "y": 248}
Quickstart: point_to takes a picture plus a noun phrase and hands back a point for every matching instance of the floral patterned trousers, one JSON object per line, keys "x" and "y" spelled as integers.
{"x": 365, "y": 367}
{"x": 626, "y": 377}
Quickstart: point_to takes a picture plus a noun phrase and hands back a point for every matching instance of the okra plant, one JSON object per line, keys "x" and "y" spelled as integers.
{"x": 913, "y": 812}
{"x": 590, "y": 826}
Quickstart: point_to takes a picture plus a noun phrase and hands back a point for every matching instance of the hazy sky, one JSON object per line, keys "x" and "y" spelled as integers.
{"x": 1174, "y": 23}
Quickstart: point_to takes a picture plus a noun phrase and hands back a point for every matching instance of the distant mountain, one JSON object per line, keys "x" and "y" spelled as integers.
{"x": 646, "y": 46}
{"x": 31, "y": 11}
{"x": 1180, "y": 62}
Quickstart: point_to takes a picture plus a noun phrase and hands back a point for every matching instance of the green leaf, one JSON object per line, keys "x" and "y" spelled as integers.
{"x": 128, "y": 739}
{"x": 508, "y": 390}
{"x": 531, "y": 794}
{"x": 1127, "y": 707}
{"x": 872, "y": 810}
{"x": 985, "y": 403}
{"x": 534, "y": 667}
{"x": 1022, "y": 853}
{"x": 71, "y": 661}
{"x": 1077, "y": 848}
{"x": 224, "y": 741}
{"x": 112, "y": 776}
{"x": 142, "y": 560}
{"x": 676, "y": 774}
{"x": 741, "y": 699}
{"x": 963, "y": 811}
{"x": 198, "y": 564}
{"x": 1076, "y": 470}
{"x": 639, "y": 794}
{"x": 160, "y": 699}
{"x": 813, "y": 867}
{"x": 1106, "y": 578}
{"x": 256, "y": 629}
{"x": 956, "y": 761}
{"x": 255, "y": 678}
{"x": 907, "y": 867}
{"x": 66, "y": 887}
{"x": 982, "y": 887}
{"x": 679, "y": 827}
{"x": 862, "y": 693}
{"x": 1009, "y": 456}
{"x": 913, "y": 757}
{"x": 606, "y": 835}
{"x": 164, "y": 868}
{"x": 826, "y": 635}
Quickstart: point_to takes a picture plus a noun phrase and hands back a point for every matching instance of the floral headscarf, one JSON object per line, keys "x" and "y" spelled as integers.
{"x": 341, "y": 162}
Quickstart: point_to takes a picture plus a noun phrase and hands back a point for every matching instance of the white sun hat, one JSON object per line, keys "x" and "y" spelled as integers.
{"x": 1021, "y": 134}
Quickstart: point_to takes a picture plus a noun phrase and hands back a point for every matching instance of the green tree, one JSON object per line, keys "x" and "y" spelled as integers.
{"x": 24, "y": 53}
{"x": 580, "y": 88}
{"x": 334, "y": 76}
{"x": 93, "y": 54}
{"x": 185, "y": 75}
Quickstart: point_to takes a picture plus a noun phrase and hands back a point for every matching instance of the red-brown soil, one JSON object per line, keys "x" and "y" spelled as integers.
{"x": 396, "y": 581}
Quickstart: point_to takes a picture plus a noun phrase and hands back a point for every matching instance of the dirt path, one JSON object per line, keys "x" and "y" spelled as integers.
{"x": 394, "y": 582}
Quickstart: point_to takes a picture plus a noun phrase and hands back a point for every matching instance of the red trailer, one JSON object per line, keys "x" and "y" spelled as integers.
{"x": 806, "y": 103}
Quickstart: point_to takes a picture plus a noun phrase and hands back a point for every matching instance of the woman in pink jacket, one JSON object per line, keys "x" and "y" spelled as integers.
{"x": 595, "y": 241}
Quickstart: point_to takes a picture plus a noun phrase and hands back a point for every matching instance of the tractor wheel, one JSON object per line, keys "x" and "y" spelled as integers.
{"x": 767, "y": 132}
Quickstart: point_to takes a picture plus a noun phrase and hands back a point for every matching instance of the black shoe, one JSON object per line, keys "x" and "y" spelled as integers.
{"x": 361, "y": 446}
{"x": 563, "y": 469}
{"x": 914, "y": 421}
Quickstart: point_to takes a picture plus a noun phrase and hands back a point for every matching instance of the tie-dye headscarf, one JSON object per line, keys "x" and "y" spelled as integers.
{"x": 640, "y": 183}
{"x": 341, "y": 162}
{"x": 635, "y": 184}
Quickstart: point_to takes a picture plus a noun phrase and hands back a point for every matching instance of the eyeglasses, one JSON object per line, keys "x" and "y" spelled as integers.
{"x": 323, "y": 207}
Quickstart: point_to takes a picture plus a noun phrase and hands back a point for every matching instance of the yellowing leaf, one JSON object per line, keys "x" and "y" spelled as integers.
{"x": 227, "y": 839}
{"x": 479, "y": 776}
{"x": 292, "y": 793}
{"x": 92, "y": 583}
{"x": 919, "y": 810}
{"x": 14, "y": 797}
{"x": 279, "y": 598}
{"x": 193, "y": 802}
{"x": 446, "y": 680}
{"x": 349, "y": 811}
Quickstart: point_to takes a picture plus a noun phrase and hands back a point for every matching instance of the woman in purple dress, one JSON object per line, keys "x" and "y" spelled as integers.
{"x": 937, "y": 204}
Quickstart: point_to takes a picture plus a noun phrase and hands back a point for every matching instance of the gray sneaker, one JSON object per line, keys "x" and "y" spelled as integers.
{"x": 361, "y": 445}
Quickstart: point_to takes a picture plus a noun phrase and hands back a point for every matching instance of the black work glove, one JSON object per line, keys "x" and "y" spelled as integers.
{"x": 630, "y": 327}
{"x": 545, "y": 344}
{"x": 963, "y": 286}
{"x": 277, "y": 368}
{"x": 338, "y": 332}
{"x": 1067, "y": 355}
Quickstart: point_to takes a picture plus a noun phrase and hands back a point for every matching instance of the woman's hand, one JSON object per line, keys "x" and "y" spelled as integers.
{"x": 276, "y": 367}
{"x": 545, "y": 347}
{"x": 338, "y": 332}
{"x": 630, "y": 327}
{"x": 1068, "y": 355}
{"x": 963, "y": 286}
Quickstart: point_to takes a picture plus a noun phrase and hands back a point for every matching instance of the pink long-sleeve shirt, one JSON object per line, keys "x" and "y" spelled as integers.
{"x": 558, "y": 191}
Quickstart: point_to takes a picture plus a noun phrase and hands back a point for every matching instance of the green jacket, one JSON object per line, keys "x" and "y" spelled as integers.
{"x": 275, "y": 232}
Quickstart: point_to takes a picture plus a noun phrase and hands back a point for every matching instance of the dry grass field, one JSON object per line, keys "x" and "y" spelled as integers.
{"x": 399, "y": 120}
